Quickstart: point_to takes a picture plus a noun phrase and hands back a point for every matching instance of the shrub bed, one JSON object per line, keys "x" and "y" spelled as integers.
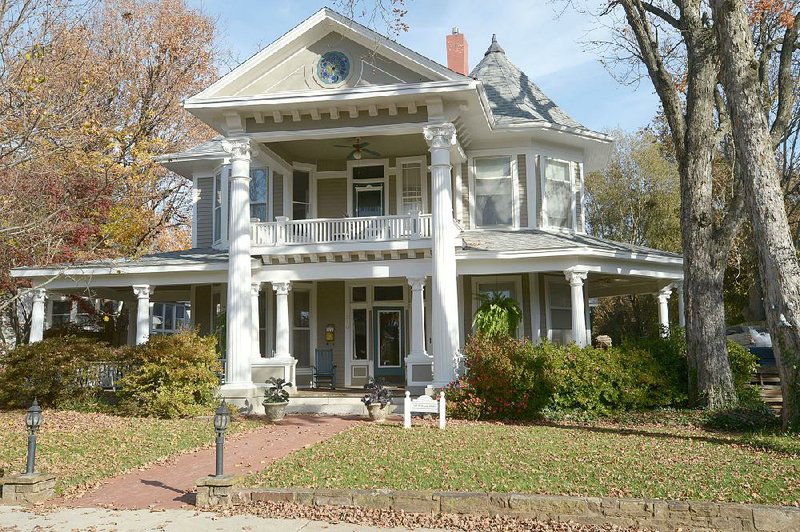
{"x": 169, "y": 376}
{"x": 508, "y": 378}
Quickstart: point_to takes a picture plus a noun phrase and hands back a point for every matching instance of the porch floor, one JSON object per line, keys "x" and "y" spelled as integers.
{"x": 356, "y": 392}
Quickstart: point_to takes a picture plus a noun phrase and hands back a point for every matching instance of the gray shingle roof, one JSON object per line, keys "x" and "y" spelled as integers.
{"x": 185, "y": 257}
{"x": 513, "y": 97}
{"x": 496, "y": 240}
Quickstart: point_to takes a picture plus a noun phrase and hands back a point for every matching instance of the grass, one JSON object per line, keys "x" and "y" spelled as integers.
{"x": 84, "y": 449}
{"x": 649, "y": 460}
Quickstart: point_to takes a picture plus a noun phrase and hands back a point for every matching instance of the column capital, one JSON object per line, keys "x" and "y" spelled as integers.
{"x": 255, "y": 288}
{"x": 282, "y": 288}
{"x": 416, "y": 283}
{"x": 440, "y": 136}
{"x": 575, "y": 276}
{"x": 665, "y": 293}
{"x": 38, "y": 294}
{"x": 142, "y": 291}
{"x": 678, "y": 286}
{"x": 237, "y": 147}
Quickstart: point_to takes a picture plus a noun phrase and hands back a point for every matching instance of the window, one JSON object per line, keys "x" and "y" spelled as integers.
{"x": 412, "y": 200}
{"x": 61, "y": 313}
{"x": 359, "y": 334}
{"x": 301, "y": 196}
{"x": 218, "y": 206}
{"x": 359, "y": 293}
{"x": 560, "y": 301}
{"x": 169, "y": 318}
{"x": 493, "y": 192}
{"x": 301, "y": 322}
{"x": 388, "y": 293}
{"x": 258, "y": 193}
{"x": 558, "y": 198}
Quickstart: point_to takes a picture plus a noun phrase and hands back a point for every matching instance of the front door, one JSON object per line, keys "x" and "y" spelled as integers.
{"x": 388, "y": 332}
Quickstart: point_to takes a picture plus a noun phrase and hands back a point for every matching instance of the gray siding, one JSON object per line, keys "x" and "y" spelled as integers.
{"x": 392, "y": 195}
{"x": 277, "y": 194}
{"x": 330, "y": 310}
{"x": 525, "y": 303}
{"x": 201, "y": 310}
{"x": 332, "y": 198}
{"x": 203, "y": 225}
{"x": 522, "y": 178}
{"x": 465, "y": 195}
{"x": 538, "y": 178}
{"x": 467, "y": 288}
{"x": 542, "y": 307}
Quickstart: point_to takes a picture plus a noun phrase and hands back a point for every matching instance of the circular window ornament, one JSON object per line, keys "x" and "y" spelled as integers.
{"x": 332, "y": 69}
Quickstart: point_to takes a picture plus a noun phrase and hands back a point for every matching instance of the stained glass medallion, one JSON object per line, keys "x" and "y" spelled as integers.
{"x": 333, "y": 68}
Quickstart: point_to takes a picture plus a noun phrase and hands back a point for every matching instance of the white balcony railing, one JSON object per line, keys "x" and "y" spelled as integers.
{"x": 285, "y": 232}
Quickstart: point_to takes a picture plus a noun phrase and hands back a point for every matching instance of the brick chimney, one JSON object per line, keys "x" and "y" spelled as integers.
{"x": 457, "y": 52}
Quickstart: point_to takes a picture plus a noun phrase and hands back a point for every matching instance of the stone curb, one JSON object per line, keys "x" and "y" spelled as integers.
{"x": 657, "y": 514}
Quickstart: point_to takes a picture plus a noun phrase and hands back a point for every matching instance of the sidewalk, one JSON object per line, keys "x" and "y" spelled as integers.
{"x": 170, "y": 485}
{"x": 17, "y": 519}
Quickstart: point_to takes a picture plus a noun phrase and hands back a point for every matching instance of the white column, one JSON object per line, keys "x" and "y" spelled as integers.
{"x": 142, "y": 292}
{"x": 663, "y": 310}
{"x": 441, "y": 139}
{"x": 239, "y": 319}
{"x": 575, "y": 277}
{"x": 418, "y": 352}
{"x": 681, "y": 304}
{"x": 255, "y": 288}
{"x": 131, "y": 322}
{"x": 282, "y": 325}
{"x": 37, "y": 315}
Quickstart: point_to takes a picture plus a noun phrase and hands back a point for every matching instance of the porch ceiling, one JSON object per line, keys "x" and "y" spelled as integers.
{"x": 313, "y": 151}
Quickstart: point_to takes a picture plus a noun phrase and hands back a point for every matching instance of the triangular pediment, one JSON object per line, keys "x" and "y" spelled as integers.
{"x": 292, "y": 63}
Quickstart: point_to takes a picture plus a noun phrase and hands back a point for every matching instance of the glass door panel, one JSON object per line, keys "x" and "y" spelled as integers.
{"x": 368, "y": 200}
{"x": 388, "y": 328}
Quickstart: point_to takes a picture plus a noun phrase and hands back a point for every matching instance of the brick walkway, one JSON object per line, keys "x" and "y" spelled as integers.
{"x": 171, "y": 485}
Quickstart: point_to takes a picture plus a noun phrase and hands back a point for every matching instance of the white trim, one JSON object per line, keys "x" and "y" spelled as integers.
{"x": 519, "y": 296}
{"x": 423, "y": 176}
{"x": 531, "y": 164}
{"x": 582, "y": 227}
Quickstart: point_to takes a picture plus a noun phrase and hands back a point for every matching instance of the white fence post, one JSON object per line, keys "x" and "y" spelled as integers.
{"x": 442, "y": 420}
{"x": 407, "y": 411}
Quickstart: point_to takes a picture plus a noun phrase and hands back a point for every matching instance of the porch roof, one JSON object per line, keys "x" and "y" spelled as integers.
{"x": 499, "y": 241}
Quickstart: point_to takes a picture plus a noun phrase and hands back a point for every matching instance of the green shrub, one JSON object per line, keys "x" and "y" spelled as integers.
{"x": 508, "y": 376}
{"x": 171, "y": 376}
{"x": 743, "y": 364}
{"x": 497, "y": 315}
{"x": 58, "y": 371}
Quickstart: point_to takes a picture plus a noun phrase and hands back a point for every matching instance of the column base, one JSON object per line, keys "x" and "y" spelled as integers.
{"x": 280, "y": 367}
{"x": 242, "y": 395}
{"x": 419, "y": 371}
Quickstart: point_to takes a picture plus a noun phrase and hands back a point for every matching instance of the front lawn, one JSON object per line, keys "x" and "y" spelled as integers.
{"x": 601, "y": 459}
{"x": 83, "y": 449}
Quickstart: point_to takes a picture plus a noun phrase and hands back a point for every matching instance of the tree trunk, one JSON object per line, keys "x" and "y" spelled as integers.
{"x": 777, "y": 258}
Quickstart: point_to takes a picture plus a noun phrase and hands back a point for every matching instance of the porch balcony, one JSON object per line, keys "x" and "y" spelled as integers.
{"x": 341, "y": 233}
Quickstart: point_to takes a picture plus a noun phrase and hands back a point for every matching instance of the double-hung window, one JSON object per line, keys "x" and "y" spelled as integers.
{"x": 560, "y": 300}
{"x": 559, "y": 197}
{"x": 258, "y": 193}
{"x": 412, "y": 199}
{"x": 169, "y": 318}
{"x": 494, "y": 192}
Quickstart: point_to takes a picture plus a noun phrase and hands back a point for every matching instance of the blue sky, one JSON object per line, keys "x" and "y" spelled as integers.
{"x": 550, "y": 47}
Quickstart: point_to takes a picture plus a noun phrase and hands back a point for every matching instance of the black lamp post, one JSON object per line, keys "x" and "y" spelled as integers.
{"x": 33, "y": 420}
{"x": 222, "y": 418}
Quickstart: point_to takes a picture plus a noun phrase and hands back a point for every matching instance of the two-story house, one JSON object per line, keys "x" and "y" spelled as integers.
{"x": 358, "y": 198}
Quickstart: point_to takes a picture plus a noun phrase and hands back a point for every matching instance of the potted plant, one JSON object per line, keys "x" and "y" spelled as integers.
{"x": 378, "y": 401}
{"x": 276, "y": 399}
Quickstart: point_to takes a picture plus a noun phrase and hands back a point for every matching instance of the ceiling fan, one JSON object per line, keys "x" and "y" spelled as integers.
{"x": 358, "y": 150}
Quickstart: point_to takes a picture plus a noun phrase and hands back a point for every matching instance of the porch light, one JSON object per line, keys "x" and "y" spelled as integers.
{"x": 222, "y": 418}
{"x": 357, "y": 155}
{"x": 33, "y": 420}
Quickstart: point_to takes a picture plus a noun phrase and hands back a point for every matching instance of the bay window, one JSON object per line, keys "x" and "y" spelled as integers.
{"x": 558, "y": 201}
{"x": 218, "y": 206}
{"x": 494, "y": 192}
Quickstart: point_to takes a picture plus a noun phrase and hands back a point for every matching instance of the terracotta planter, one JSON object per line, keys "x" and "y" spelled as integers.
{"x": 378, "y": 414}
{"x": 275, "y": 411}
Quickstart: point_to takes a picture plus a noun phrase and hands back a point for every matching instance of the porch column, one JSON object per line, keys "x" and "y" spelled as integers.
{"x": 239, "y": 326}
{"x": 255, "y": 288}
{"x": 663, "y": 310}
{"x": 131, "y": 322}
{"x": 417, "y": 285}
{"x": 37, "y": 315}
{"x": 681, "y": 304}
{"x": 282, "y": 327}
{"x": 441, "y": 139}
{"x": 575, "y": 277}
{"x": 142, "y": 292}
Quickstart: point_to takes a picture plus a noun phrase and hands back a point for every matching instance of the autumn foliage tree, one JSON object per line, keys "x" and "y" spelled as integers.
{"x": 92, "y": 92}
